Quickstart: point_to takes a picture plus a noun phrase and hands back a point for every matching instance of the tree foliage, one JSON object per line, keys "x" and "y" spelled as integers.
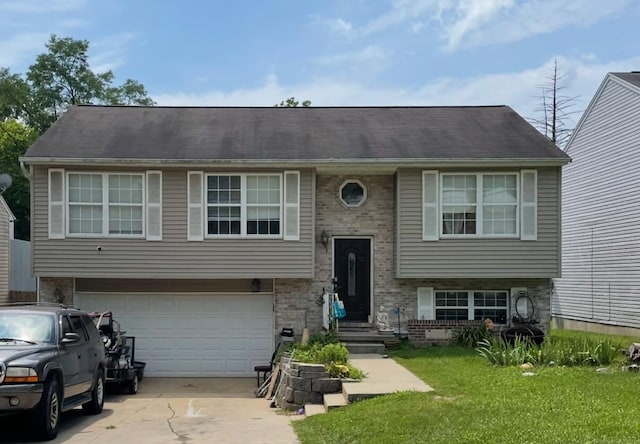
{"x": 15, "y": 138}
{"x": 555, "y": 108}
{"x": 59, "y": 78}
{"x": 291, "y": 102}
{"x": 30, "y": 103}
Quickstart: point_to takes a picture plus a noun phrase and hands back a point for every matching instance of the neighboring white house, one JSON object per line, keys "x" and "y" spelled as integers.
{"x": 6, "y": 234}
{"x": 600, "y": 285}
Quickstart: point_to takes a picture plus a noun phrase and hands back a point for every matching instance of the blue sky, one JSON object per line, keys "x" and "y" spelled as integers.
{"x": 337, "y": 52}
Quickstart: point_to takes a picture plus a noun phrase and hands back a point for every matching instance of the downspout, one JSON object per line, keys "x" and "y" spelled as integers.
{"x": 25, "y": 170}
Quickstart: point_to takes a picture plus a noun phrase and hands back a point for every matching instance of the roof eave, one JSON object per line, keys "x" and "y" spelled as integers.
{"x": 288, "y": 163}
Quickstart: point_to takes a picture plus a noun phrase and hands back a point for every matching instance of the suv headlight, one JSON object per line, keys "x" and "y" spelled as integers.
{"x": 21, "y": 374}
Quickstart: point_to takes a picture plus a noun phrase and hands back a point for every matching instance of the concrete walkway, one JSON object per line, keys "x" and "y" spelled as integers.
{"x": 383, "y": 376}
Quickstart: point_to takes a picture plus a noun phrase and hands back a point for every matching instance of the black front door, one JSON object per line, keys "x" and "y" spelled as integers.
{"x": 353, "y": 272}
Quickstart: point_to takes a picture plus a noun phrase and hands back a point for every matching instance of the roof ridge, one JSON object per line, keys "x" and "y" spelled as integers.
{"x": 299, "y": 107}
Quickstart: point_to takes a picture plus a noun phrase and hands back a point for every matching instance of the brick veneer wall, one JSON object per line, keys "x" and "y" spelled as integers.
{"x": 375, "y": 218}
{"x": 48, "y": 286}
{"x": 429, "y": 332}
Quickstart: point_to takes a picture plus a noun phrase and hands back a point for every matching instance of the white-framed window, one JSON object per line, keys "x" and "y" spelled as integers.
{"x": 244, "y": 205}
{"x": 462, "y": 305}
{"x": 480, "y": 205}
{"x": 105, "y": 204}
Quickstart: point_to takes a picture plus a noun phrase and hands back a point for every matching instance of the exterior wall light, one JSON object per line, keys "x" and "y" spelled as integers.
{"x": 324, "y": 238}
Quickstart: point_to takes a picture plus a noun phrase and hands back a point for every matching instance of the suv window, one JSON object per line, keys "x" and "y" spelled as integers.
{"x": 66, "y": 326}
{"x": 78, "y": 327}
{"x": 94, "y": 334}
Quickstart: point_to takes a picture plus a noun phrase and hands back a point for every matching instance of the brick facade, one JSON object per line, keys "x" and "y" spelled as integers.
{"x": 56, "y": 290}
{"x": 375, "y": 219}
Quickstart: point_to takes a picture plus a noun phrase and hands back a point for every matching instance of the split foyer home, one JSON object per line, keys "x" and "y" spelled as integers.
{"x": 208, "y": 230}
{"x": 600, "y": 286}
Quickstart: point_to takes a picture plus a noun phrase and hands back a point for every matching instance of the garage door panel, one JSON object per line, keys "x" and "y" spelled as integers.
{"x": 193, "y": 335}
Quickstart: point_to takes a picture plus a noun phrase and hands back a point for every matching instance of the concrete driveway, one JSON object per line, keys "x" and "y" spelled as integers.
{"x": 170, "y": 410}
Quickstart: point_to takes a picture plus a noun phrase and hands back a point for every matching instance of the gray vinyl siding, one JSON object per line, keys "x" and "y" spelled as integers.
{"x": 173, "y": 257}
{"x": 477, "y": 258}
{"x": 601, "y": 213}
{"x": 4, "y": 255}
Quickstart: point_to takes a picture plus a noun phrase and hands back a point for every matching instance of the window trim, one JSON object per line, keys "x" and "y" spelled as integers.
{"x": 105, "y": 205}
{"x": 364, "y": 193}
{"x": 479, "y": 205}
{"x": 243, "y": 207}
{"x": 471, "y": 305}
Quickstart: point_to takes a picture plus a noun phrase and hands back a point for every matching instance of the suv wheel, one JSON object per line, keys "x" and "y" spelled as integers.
{"x": 46, "y": 415}
{"x": 96, "y": 404}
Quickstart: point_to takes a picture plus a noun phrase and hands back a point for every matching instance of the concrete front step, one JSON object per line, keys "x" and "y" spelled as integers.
{"x": 356, "y": 391}
{"x": 333, "y": 401}
{"x": 364, "y": 336}
{"x": 365, "y": 347}
{"x": 314, "y": 409}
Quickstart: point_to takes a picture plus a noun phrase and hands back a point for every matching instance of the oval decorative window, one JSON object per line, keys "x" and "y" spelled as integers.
{"x": 353, "y": 193}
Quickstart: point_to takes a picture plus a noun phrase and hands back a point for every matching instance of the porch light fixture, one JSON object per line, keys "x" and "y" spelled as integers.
{"x": 255, "y": 285}
{"x": 324, "y": 238}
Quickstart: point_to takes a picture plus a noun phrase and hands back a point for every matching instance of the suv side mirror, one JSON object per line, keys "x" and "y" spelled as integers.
{"x": 71, "y": 338}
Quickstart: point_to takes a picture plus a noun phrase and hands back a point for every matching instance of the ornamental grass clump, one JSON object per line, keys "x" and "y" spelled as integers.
{"x": 567, "y": 352}
{"x": 470, "y": 336}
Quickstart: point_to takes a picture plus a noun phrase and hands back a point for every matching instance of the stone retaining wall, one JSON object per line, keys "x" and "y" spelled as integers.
{"x": 304, "y": 384}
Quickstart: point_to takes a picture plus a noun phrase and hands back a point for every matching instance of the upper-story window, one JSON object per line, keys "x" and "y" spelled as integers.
{"x": 103, "y": 204}
{"x": 244, "y": 204}
{"x": 96, "y": 204}
{"x": 475, "y": 205}
{"x": 480, "y": 204}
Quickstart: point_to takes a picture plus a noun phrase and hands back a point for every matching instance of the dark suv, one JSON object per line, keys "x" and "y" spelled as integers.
{"x": 51, "y": 360}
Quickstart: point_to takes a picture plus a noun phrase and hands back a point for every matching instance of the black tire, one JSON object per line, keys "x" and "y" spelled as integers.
{"x": 96, "y": 404}
{"x": 132, "y": 385}
{"x": 46, "y": 416}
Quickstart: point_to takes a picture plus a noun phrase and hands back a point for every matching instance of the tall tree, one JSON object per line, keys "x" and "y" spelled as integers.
{"x": 15, "y": 138}
{"x": 62, "y": 77}
{"x": 556, "y": 109}
{"x": 291, "y": 102}
{"x": 29, "y": 104}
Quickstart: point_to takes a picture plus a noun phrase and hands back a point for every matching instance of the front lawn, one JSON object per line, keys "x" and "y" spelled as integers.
{"x": 477, "y": 403}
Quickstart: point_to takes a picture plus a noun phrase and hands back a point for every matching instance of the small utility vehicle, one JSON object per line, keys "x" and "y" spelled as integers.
{"x": 122, "y": 370}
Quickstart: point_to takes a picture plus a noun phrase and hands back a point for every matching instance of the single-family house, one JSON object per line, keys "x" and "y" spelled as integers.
{"x": 600, "y": 285}
{"x": 6, "y": 235}
{"x": 208, "y": 230}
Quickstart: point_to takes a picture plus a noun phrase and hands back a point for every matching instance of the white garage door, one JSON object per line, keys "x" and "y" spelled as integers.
{"x": 192, "y": 335}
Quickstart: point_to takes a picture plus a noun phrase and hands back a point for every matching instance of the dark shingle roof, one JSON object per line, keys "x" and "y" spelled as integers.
{"x": 632, "y": 77}
{"x": 304, "y": 134}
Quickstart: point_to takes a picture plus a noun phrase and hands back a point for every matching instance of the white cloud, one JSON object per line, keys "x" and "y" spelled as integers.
{"x": 520, "y": 90}
{"x": 470, "y": 23}
{"x": 504, "y": 21}
{"x": 340, "y": 26}
{"x": 335, "y": 25}
{"x": 371, "y": 54}
{"x": 40, "y": 6}
{"x": 108, "y": 53}
{"x": 17, "y": 49}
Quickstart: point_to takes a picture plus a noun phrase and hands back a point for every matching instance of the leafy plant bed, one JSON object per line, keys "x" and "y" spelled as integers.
{"x": 332, "y": 355}
{"x": 477, "y": 403}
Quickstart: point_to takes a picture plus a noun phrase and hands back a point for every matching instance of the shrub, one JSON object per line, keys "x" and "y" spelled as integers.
{"x": 470, "y": 336}
{"x": 333, "y": 356}
{"x": 553, "y": 351}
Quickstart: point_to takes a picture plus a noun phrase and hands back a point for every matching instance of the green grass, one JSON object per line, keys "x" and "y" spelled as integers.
{"x": 477, "y": 403}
